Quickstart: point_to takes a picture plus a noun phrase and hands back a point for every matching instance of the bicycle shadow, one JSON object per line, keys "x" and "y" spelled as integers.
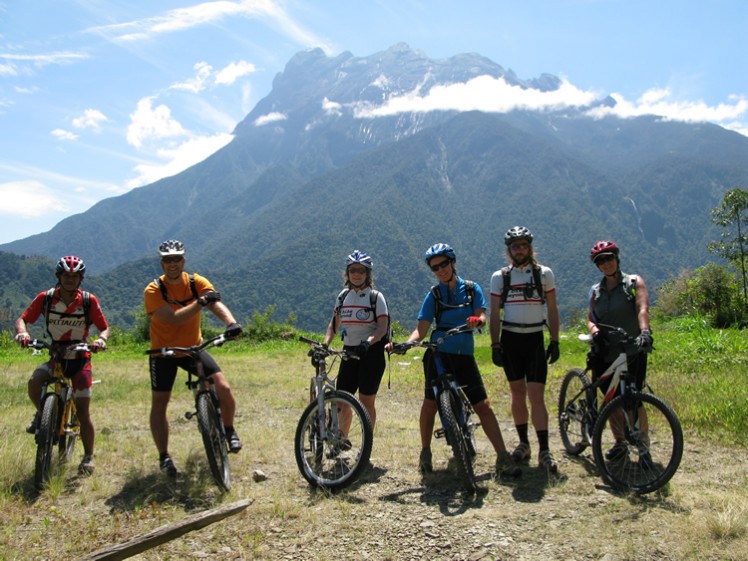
{"x": 27, "y": 491}
{"x": 193, "y": 488}
{"x": 370, "y": 476}
{"x": 535, "y": 480}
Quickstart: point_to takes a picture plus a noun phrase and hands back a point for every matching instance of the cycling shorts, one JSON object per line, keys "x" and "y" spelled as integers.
{"x": 77, "y": 369}
{"x": 465, "y": 370}
{"x": 363, "y": 375}
{"x": 164, "y": 369}
{"x": 524, "y": 356}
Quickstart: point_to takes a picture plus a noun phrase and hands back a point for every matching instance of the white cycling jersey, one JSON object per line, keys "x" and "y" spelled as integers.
{"x": 524, "y": 309}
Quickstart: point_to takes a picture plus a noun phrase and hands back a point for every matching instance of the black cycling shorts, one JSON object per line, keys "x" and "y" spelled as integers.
{"x": 465, "y": 370}
{"x": 164, "y": 369}
{"x": 363, "y": 375}
{"x": 524, "y": 356}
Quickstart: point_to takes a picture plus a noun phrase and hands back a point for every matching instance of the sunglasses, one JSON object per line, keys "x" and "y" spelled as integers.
{"x": 175, "y": 259}
{"x": 519, "y": 245}
{"x": 357, "y": 270}
{"x": 442, "y": 265}
{"x": 604, "y": 259}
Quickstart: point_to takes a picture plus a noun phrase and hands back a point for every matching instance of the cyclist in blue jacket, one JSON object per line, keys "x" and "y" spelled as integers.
{"x": 451, "y": 303}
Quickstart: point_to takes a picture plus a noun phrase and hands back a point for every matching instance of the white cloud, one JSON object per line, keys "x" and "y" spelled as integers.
{"x": 660, "y": 102}
{"x": 90, "y": 119}
{"x": 29, "y": 199}
{"x": 197, "y": 84}
{"x": 62, "y": 134}
{"x": 233, "y": 72}
{"x": 207, "y": 13}
{"x": 148, "y": 122}
{"x": 178, "y": 159}
{"x": 269, "y": 118}
{"x": 12, "y": 60}
{"x": 483, "y": 93}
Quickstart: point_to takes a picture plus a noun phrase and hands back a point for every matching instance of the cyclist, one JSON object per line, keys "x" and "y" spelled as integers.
{"x": 620, "y": 300}
{"x": 524, "y": 291}
{"x": 68, "y": 314}
{"x": 362, "y": 318}
{"x": 459, "y": 302}
{"x": 174, "y": 302}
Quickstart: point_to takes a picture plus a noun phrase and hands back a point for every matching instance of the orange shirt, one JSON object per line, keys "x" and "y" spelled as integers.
{"x": 174, "y": 334}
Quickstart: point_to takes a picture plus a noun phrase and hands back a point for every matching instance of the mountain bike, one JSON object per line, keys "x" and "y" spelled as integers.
{"x": 330, "y": 454}
{"x": 642, "y": 449}
{"x": 207, "y": 408}
{"x": 455, "y": 411}
{"x": 58, "y": 423}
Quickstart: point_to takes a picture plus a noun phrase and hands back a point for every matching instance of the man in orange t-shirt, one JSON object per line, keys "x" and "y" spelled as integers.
{"x": 174, "y": 304}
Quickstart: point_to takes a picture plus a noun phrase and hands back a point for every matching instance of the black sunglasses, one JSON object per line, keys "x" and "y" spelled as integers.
{"x": 442, "y": 265}
{"x": 175, "y": 259}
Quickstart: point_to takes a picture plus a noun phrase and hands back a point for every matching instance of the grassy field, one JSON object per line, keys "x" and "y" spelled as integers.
{"x": 701, "y": 372}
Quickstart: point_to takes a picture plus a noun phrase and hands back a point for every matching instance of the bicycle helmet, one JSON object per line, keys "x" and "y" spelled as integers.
{"x": 70, "y": 264}
{"x": 603, "y": 247}
{"x": 359, "y": 257}
{"x": 440, "y": 249}
{"x": 517, "y": 233}
{"x": 171, "y": 247}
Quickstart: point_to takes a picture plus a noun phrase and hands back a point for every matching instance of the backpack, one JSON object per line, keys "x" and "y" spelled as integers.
{"x": 629, "y": 287}
{"x": 165, "y": 294}
{"x": 440, "y": 305}
{"x": 506, "y": 274}
{"x": 47, "y": 306}
{"x": 373, "y": 296}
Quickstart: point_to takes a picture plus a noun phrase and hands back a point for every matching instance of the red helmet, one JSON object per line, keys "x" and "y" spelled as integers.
{"x": 604, "y": 247}
{"x": 70, "y": 264}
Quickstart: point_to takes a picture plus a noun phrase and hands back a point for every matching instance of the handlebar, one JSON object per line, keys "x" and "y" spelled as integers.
{"x": 216, "y": 341}
{"x": 402, "y": 348}
{"x": 62, "y": 348}
{"x": 321, "y": 350}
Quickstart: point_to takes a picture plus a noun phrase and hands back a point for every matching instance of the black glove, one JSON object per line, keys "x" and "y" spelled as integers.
{"x": 552, "y": 352}
{"x": 362, "y": 348}
{"x": 209, "y": 298}
{"x": 316, "y": 356}
{"x": 233, "y": 330}
{"x": 644, "y": 341}
{"x": 497, "y": 355}
{"x": 599, "y": 341}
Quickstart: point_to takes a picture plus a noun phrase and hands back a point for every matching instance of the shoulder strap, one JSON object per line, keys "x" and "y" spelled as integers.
{"x": 85, "y": 296}
{"x": 440, "y": 305}
{"x": 48, "y": 303}
{"x": 538, "y": 279}
{"x": 165, "y": 294}
{"x": 506, "y": 275}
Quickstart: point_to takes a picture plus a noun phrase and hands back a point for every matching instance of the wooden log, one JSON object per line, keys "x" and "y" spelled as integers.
{"x": 139, "y": 544}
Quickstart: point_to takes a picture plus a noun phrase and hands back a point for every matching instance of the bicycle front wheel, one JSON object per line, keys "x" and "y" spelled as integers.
{"x": 69, "y": 437}
{"x": 641, "y": 448}
{"x": 214, "y": 440}
{"x": 45, "y": 439}
{"x": 450, "y": 411}
{"x": 575, "y": 413}
{"x": 327, "y": 457}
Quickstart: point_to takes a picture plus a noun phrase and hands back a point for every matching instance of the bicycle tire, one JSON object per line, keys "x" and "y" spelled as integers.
{"x": 67, "y": 441}
{"x": 632, "y": 470}
{"x": 45, "y": 439}
{"x": 575, "y": 413}
{"x": 214, "y": 440}
{"x": 449, "y": 406}
{"x": 469, "y": 426}
{"x": 343, "y": 457}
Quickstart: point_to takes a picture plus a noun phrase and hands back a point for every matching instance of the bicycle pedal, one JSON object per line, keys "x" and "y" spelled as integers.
{"x": 439, "y": 433}
{"x": 189, "y": 415}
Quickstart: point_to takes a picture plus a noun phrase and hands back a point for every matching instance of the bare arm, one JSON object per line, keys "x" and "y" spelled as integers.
{"x": 168, "y": 315}
{"x": 553, "y": 321}
{"x": 642, "y": 303}
{"x": 494, "y": 325}
{"x": 420, "y": 331}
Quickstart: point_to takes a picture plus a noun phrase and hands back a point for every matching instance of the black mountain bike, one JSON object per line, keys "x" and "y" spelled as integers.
{"x": 207, "y": 408}
{"x": 455, "y": 411}
{"x": 58, "y": 420}
{"x": 636, "y": 438}
{"x": 329, "y": 454}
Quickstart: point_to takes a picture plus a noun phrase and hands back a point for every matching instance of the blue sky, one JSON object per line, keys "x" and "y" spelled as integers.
{"x": 98, "y": 97}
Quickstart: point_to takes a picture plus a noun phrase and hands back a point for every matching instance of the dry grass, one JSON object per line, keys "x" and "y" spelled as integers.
{"x": 392, "y": 514}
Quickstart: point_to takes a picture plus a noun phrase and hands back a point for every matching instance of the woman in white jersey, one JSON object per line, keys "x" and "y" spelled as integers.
{"x": 361, "y": 317}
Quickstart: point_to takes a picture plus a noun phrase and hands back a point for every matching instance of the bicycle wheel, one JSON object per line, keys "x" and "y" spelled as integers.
{"x": 214, "y": 440}
{"x": 469, "y": 425}
{"x": 45, "y": 439}
{"x": 652, "y": 447}
{"x": 66, "y": 445}
{"x": 575, "y": 413}
{"x": 450, "y": 411}
{"x": 344, "y": 456}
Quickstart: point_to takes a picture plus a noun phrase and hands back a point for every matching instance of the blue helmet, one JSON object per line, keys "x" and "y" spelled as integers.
{"x": 359, "y": 257}
{"x": 440, "y": 249}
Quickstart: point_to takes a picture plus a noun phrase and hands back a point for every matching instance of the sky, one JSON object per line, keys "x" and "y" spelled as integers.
{"x": 98, "y": 97}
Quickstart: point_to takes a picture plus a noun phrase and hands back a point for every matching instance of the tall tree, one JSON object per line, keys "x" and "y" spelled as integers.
{"x": 732, "y": 215}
